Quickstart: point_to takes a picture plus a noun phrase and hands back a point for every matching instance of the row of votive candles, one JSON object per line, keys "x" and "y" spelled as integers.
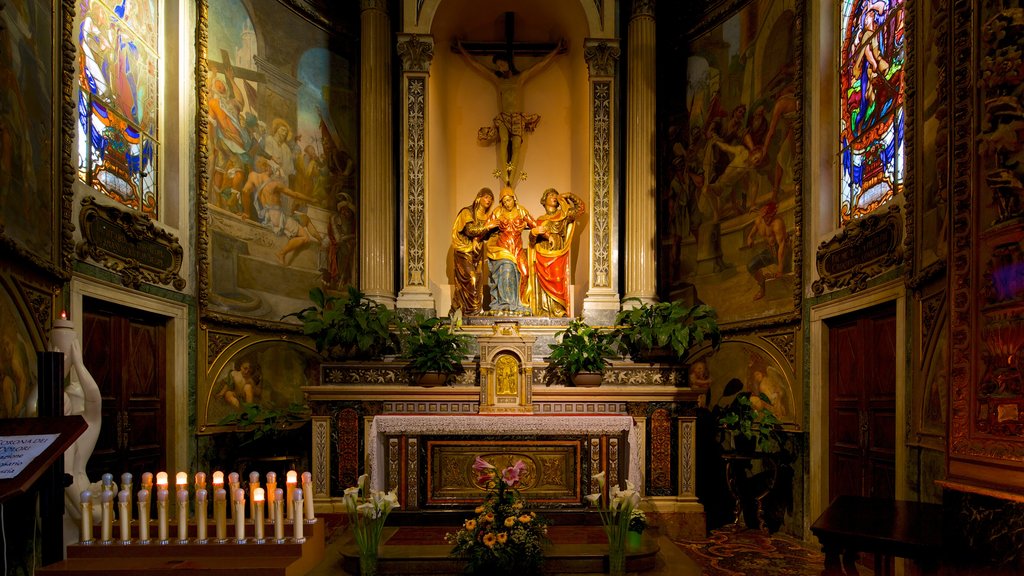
{"x": 270, "y": 500}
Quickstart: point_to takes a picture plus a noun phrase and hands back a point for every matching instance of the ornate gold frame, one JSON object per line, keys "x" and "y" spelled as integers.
{"x": 864, "y": 249}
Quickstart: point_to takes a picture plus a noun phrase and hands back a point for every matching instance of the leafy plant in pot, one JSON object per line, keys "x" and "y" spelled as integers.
{"x": 747, "y": 422}
{"x": 665, "y": 330}
{"x": 265, "y": 431}
{"x": 435, "y": 348}
{"x": 581, "y": 352}
{"x": 353, "y": 328}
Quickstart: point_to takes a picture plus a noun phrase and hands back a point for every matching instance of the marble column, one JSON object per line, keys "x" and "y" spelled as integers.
{"x": 376, "y": 179}
{"x": 416, "y": 53}
{"x": 640, "y": 159}
{"x": 602, "y": 300}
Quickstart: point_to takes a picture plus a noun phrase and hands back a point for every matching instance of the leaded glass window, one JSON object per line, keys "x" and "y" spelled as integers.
{"x": 871, "y": 69}
{"x": 118, "y": 99}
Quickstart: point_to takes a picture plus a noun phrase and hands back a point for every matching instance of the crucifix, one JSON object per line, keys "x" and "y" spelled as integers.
{"x": 511, "y": 124}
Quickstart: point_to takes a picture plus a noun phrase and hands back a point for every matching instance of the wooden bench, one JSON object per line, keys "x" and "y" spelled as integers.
{"x": 886, "y": 528}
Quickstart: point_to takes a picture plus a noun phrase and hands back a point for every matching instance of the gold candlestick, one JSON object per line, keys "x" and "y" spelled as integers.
{"x": 220, "y": 514}
{"x": 279, "y": 515}
{"x": 240, "y": 516}
{"x": 106, "y": 517}
{"x": 143, "y": 516}
{"x": 124, "y": 516}
{"x": 161, "y": 515}
{"x": 297, "y": 525}
{"x": 257, "y": 517}
{"x": 201, "y": 520}
{"x": 307, "y": 491}
{"x": 85, "y": 529}
{"x": 182, "y": 515}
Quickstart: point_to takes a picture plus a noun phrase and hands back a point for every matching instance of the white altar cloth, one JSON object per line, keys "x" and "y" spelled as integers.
{"x": 392, "y": 425}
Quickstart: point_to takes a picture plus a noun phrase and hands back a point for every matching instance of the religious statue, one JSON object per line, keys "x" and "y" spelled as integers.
{"x": 509, "y": 284}
{"x": 81, "y": 396}
{"x": 511, "y": 124}
{"x": 551, "y": 252}
{"x": 468, "y": 234}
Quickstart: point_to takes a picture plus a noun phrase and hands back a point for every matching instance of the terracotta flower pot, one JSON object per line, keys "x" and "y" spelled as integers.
{"x": 587, "y": 379}
{"x": 431, "y": 379}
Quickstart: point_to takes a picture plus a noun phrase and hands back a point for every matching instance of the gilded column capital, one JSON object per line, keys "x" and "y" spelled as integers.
{"x": 601, "y": 56}
{"x": 416, "y": 52}
{"x": 381, "y": 5}
{"x": 643, "y": 8}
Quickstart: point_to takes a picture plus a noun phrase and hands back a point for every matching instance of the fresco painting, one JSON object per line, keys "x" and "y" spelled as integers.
{"x": 731, "y": 184}
{"x": 761, "y": 370}
{"x": 282, "y": 187}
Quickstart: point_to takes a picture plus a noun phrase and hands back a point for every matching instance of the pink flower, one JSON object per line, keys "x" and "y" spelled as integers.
{"x": 484, "y": 470}
{"x": 511, "y": 474}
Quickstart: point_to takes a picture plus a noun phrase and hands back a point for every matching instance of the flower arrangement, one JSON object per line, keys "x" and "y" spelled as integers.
{"x": 637, "y": 521}
{"x": 616, "y": 511}
{"x": 503, "y": 538}
{"x": 367, "y": 510}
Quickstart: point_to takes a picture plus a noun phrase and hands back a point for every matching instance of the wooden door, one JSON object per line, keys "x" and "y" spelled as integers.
{"x": 125, "y": 351}
{"x": 862, "y": 403}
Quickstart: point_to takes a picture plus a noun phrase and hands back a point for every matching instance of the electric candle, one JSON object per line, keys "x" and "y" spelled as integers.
{"x": 161, "y": 481}
{"x": 233, "y": 485}
{"x": 297, "y": 526}
{"x": 124, "y": 516}
{"x": 218, "y": 480}
{"x": 181, "y": 482}
{"x": 182, "y": 515}
{"x": 279, "y": 515}
{"x": 220, "y": 515}
{"x": 239, "y": 496}
{"x": 147, "y": 485}
{"x": 271, "y": 492}
{"x": 161, "y": 514}
{"x": 85, "y": 536}
{"x": 200, "y": 481}
{"x": 143, "y": 516}
{"x": 254, "y": 483}
{"x": 108, "y": 481}
{"x": 290, "y": 479}
{"x": 201, "y": 516}
{"x": 107, "y": 516}
{"x": 126, "y": 486}
{"x": 307, "y": 489}
{"x": 257, "y": 517}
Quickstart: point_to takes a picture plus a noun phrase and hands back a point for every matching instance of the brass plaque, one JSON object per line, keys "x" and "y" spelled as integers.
{"x": 551, "y": 476}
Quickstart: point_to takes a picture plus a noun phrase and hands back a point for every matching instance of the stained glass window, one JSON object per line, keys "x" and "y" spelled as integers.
{"x": 118, "y": 100}
{"x": 871, "y": 69}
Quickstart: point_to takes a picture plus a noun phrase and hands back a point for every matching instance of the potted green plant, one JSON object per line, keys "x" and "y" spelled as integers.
{"x": 581, "y": 352}
{"x": 435, "y": 349}
{"x": 747, "y": 422}
{"x": 261, "y": 433}
{"x": 352, "y": 328}
{"x": 664, "y": 330}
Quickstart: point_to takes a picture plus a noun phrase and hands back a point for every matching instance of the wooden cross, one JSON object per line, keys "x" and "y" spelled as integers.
{"x": 509, "y": 48}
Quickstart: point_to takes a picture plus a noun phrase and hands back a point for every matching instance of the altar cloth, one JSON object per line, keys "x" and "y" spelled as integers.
{"x": 578, "y": 424}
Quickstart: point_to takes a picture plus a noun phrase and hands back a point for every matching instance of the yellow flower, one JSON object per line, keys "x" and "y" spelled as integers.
{"x": 510, "y": 521}
{"x": 525, "y": 518}
{"x": 517, "y": 506}
{"x": 479, "y": 510}
{"x": 470, "y": 524}
{"x": 502, "y": 537}
{"x": 489, "y": 517}
{"x": 489, "y": 540}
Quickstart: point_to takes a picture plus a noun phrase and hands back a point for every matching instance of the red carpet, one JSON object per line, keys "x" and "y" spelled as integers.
{"x": 434, "y": 535}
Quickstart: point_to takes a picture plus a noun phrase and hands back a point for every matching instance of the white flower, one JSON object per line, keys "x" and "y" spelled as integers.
{"x": 600, "y": 478}
{"x": 593, "y": 498}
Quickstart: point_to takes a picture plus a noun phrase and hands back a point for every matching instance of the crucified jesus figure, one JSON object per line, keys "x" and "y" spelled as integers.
{"x": 511, "y": 124}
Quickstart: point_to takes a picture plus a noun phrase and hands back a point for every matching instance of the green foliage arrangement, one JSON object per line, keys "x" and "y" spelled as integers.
{"x": 353, "y": 328}
{"x": 435, "y": 345}
{"x": 265, "y": 423}
{"x": 671, "y": 325}
{"x": 581, "y": 348}
{"x": 748, "y": 417}
{"x": 503, "y": 539}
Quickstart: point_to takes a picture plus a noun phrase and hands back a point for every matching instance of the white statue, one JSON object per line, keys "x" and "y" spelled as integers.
{"x": 81, "y": 396}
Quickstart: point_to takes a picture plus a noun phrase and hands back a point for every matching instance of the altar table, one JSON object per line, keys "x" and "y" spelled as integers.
{"x": 510, "y": 425}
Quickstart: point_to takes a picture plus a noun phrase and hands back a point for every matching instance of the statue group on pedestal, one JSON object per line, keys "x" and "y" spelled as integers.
{"x": 521, "y": 281}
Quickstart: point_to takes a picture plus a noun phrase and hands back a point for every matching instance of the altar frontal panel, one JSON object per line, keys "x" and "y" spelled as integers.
{"x": 552, "y": 473}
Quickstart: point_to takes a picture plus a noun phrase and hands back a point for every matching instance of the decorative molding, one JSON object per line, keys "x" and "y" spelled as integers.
{"x": 129, "y": 244}
{"x": 412, "y": 478}
{"x": 865, "y": 248}
{"x": 931, "y": 308}
{"x": 321, "y": 456}
{"x": 642, "y": 8}
{"x": 202, "y": 159}
{"x": 365, "y": 5}
{"x": 687, "y": 465}
{"x": 217, "y": 342}
{"x": 786, "y": 343}
{"x": 601, "y": 176}
{"x": 416, "y": 52}
{"x": 415, "y": 169}
{"x": 601, "y": 57}
{"x": 660, "y": 461}
{"x": 39, "y": 302}
{"x": 349, "y": 448}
